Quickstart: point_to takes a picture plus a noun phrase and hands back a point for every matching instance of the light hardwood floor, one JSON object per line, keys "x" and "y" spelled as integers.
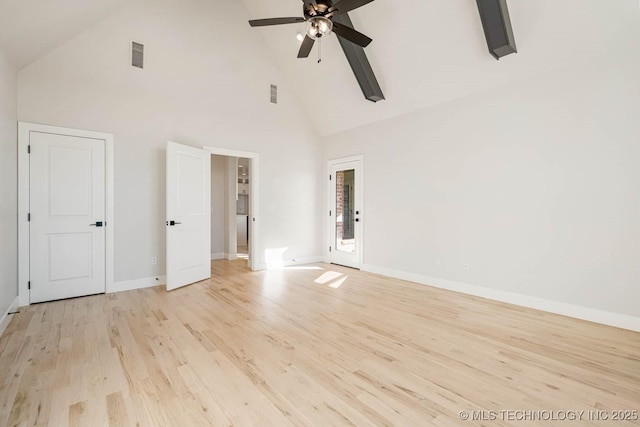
{"x": 308, "y": 346}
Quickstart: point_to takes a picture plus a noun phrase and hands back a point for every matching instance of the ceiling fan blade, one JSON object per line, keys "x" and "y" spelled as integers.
{"x": 345, "y": 6}
{"x": 274, "y": 21}
{"x": 311, "y": 3}
{"x": 350, "y": 34}
{"x": 305, "y": 48}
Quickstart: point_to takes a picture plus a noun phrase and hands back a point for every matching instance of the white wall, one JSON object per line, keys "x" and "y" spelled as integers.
{"x": 535, "y": 185}
{"x": 206, "y": 82}
{"x": 218, "y": 206}
{"x": 8, "y": 188}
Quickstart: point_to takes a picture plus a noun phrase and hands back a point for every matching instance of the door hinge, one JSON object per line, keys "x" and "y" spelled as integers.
{"x": 29, "y": 285}
{"x": 329, "y": 248}
{"x": 329, "y": 213}
{"x": 329, "y": 177}
{"x": 29, "y": 149}
{"x": 28, "y": 217}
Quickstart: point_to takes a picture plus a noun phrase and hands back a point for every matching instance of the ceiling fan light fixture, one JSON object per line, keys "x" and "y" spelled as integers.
{"x": 319, "y": 26}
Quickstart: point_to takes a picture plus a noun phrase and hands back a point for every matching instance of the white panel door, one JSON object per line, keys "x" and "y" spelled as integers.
{"x": 67, "y": 210}
{"x": 188, "y": 215}
{"x": 346, "y": 214}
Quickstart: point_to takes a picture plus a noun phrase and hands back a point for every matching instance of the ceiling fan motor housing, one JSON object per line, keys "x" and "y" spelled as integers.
{"x": 319, "y": 26}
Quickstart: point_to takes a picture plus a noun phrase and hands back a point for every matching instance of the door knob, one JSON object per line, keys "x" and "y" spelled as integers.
{"x": 97, "y": 224}
{"x": 172, "y": 223}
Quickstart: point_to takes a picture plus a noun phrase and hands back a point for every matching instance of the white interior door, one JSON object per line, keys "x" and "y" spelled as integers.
{"x": 67, "y": 216}
{"x": 188, "y": 215}
{"x": 346, "y": 213}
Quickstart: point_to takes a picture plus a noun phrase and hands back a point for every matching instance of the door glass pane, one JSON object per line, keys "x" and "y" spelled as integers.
{"x": 345, "y": 218}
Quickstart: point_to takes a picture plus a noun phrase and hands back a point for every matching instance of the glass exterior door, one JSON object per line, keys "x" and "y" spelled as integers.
{"x": 345, "y": 214}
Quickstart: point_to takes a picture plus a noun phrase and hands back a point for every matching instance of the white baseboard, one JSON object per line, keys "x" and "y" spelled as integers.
{"x": 6, "y": 317}
{"x": 224, "y": 255}
{"x": 289, "y": 263}
{"x": 129, "y": 285}
{"x": 579, "y": 312}
{"x": 303, "y": 261}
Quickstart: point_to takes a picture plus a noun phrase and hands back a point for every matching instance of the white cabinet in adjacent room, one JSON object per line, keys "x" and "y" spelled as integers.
{"x": 242, "y": 229}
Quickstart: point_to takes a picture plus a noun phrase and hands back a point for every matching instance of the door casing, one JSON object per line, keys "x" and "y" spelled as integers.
{"x": 24, "y": 130}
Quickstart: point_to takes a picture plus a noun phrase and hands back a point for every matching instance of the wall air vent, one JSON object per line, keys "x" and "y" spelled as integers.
{"x": 137, "y": 55}
{"x": 274, "y": 94}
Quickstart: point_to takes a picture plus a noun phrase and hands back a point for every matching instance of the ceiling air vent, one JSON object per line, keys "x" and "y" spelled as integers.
{"x": 137, "y": 55}
{"x": 274, "y": 94}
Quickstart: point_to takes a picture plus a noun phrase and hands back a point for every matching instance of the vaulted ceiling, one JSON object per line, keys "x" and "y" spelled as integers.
{"x": 30, "y": 29}
{"x": 424, "y": 53}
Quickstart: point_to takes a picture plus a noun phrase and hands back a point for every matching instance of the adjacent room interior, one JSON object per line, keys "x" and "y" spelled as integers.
{"x": 230, "y": 207}
{"x": 354, "y": 212}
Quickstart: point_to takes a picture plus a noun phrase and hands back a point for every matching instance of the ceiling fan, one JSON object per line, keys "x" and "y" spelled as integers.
{"x": 319, "y": 14}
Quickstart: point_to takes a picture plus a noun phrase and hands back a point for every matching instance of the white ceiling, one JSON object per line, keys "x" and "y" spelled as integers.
{"x": 424, "y": 53}
{"x": 30, "y": 29}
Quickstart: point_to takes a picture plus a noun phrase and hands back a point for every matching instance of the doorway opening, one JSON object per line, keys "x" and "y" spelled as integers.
{"x": 234, "y": 205}
{"x": 243, "y": 205}
{"x": 201, "y": 211}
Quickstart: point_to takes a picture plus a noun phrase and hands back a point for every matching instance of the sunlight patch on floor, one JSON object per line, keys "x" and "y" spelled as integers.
{"x": 337, "y": 283}
{"x": 327, "y": 277}
{"x": 331, "y": 278}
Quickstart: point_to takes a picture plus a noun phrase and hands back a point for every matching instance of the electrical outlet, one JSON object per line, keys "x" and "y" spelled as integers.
{"x": 465, "y": 265}
{"x": 154, "y": 260}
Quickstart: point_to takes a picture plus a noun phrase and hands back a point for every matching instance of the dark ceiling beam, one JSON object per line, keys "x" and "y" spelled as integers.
{"x": 497, "y": 27}
{"x": 359, "y": 64}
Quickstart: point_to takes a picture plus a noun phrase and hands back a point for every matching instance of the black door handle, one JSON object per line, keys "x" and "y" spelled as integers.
{"x": 172, "y": 223}
{"x": 97, "y": 224}
{"x": 357, "y": 219}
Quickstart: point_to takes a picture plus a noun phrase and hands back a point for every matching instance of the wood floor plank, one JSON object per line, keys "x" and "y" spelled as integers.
{"x": 310, "y": 345}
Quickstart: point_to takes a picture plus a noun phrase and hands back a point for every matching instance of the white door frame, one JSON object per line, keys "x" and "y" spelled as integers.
{"x": 330, "y": 226}
{"x": 254, "y": 236}
{"x": 24, "y": 130}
